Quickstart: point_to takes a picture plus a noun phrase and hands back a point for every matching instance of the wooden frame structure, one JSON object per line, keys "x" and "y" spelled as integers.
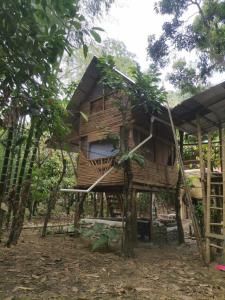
{"x": 92, "y": 139}
{"x": 199, "y": 115}
{"x": 202, "y": 115}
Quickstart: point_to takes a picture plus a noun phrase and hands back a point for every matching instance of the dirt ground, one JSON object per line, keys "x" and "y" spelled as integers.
{"x": 62, "y": 267}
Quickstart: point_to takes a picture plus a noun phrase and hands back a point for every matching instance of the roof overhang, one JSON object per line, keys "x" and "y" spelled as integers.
{"x": 209, "y": 106}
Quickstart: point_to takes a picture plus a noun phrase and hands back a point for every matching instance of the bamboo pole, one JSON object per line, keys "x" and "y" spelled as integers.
{"x": 202, "y": 169}
{"x": 207, "y": 224}
{"x": 223, "y": 165}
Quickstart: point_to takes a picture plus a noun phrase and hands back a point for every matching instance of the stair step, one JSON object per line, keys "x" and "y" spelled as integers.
{"x": 218, "y": 196}
{"x": 215, "y": 236}
{"x": 214, "y": 207}
{"x": 215, "y": 224}
{"x": 216, "y": 183}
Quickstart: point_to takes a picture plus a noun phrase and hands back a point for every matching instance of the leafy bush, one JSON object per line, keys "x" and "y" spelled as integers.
{"x": 102, "y": 236}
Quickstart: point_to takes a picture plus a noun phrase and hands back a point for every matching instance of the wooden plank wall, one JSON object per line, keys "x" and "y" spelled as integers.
{"x": 102, "y": 123}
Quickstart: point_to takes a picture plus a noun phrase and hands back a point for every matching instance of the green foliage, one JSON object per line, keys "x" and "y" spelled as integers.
{"x": 143, "y": 202}
{"x": 199, "y": 209}
{"x": 102, "y": 236}
{"x": 185, "y": 78}
{"x": 76, "y": 64}
{"x": 47, "y": 172}
{"x": 144, "y": 91}
{"x": 133, "y": 156}
{"x": 205, "y": 33}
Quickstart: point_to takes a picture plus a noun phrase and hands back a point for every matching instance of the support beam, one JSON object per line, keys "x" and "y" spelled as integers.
{"x": 223, "y": 164}
{"x": 208, "y": 203}
{"x": 202, "y": 166}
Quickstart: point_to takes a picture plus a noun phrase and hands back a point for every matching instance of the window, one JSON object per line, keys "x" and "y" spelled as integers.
{"x": 100, "y": 149}
{"x": 148, "y": 149}
{"x": 97, "y": 105}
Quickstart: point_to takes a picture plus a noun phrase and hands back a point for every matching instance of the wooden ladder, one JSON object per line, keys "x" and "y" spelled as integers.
{"x": 215, "y": 204}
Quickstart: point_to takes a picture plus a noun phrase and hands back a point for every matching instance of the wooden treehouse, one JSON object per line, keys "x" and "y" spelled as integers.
{"x": 97, "y": 140}
{"x": 203, "y": 115}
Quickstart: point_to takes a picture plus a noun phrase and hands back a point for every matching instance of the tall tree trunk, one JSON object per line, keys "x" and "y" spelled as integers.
{"x": 18, "y": 220}
{"x": 4, "y": 174}
{"x": 180, "y": 230}
{"x": 53, "y": 198}
{"x": 24, "y": 161}
{"x": 130, "y": 231}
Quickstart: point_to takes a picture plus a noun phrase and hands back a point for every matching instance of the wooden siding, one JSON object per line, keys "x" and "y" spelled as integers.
{"x": 154, "y": 174}
{"x": 88, "y": 174}
{"x": 151, "y": 174}
{"x": 102, "y": 123}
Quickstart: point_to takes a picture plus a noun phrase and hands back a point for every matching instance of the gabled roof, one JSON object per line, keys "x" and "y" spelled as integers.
{"x": 88, "y": 81}
{"x": 209, "y": 105}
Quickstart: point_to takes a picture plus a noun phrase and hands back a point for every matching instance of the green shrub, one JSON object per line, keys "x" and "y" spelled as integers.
{"x": 102, "y": 236}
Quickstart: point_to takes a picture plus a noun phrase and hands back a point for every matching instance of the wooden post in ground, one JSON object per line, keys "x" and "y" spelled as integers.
{"x": 101, "y": 209}
{"x": 151, "y": 217}
{"x": 95, "y": 211}
{"x": 223, "y": 165}
{"x": 220, "y": 146}
{"x": 208, "y": 204}
{"x": 202, "y": 168}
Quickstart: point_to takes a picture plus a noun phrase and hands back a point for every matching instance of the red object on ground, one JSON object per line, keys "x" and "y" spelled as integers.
{"x": 220, "y": 267}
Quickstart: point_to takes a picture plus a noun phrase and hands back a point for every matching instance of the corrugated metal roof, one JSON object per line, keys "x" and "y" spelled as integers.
{"x": 209, "y": 105}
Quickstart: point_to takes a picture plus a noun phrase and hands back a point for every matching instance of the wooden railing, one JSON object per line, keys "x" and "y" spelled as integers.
{"x": 102, "y": 164}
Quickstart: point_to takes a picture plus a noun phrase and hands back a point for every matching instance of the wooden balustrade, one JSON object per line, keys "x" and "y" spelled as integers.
{"x": 102, "y": 164}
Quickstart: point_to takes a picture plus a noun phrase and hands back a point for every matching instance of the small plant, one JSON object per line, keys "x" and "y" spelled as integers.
{"x": 102, "y": 236}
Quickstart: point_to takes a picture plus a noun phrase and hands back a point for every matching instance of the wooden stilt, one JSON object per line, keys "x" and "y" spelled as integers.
{"x": 220, "y": 146}
{"x": 202, "y": 169}
{"x": 223, "y": 164}
{"x": 208, "y": 204}
{"x": 101, "y": 205}
{"x": 151, "y": 217}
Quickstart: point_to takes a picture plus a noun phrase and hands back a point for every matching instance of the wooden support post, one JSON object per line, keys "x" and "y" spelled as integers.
{"x": 221, "y": 147}
{"x": 208, "y": 203}
{"x": 202, "y": 168}
{"x": 95, "y": 211}
{"x": 150, "y": 217}
{"x": 101, "y": 209}
{"x": 223, "y": 164}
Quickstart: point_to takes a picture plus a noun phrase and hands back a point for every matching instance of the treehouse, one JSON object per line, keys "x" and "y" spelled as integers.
{"x": 96, "y": 135}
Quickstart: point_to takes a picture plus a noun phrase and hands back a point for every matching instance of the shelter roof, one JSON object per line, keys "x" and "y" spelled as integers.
{"x": 208, "y": 105}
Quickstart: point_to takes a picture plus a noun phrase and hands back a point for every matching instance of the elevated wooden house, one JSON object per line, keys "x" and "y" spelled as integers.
{"x": 97, "y": 139}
